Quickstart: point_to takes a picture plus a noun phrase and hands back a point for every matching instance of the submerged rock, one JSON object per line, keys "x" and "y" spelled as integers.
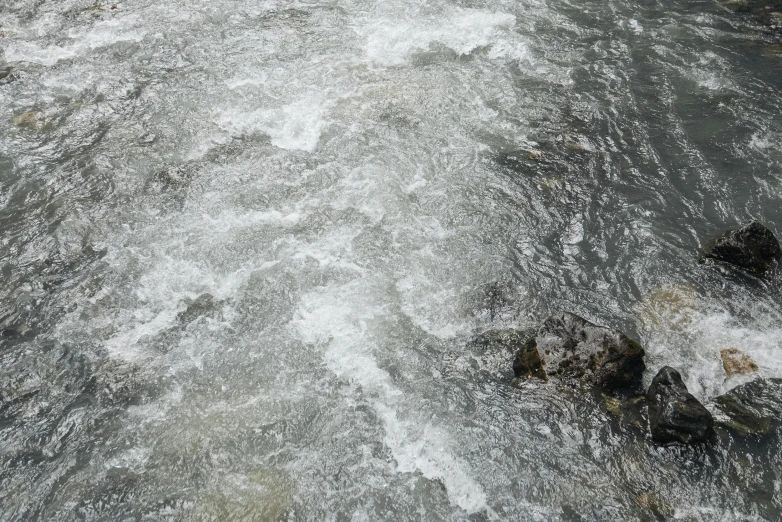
{"x": 264, "y": 496}
{"x": 752, "y": 408}
{"x": 202, "y": 305}
{"x": 736, "y": 362}
{"x": 31, "y": 120}
{"x": 656, "y": 505}
{"x": 752, "y": 248}
{"x": 494, "y": 301}
{"x": 630, "y": 414}
{"x": 674, "y": 414}
{"x": 766, "y": 12}
{"x": 173, "y": 177}
{"x": 570, "y": 347}
{"x": 672, "y": 307}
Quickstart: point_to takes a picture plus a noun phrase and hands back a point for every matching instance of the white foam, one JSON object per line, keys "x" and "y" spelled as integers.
{"x": 295, "y": 126}
{"x": 102, "y": 34}
{"x": 763, "y": 142}
{"x": 695, "y": 349}
{"x": 463, "y": 31}
{"x": 340, "y": 318}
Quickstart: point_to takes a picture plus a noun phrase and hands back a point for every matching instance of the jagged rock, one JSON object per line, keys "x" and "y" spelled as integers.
{"x": 736, "y": 362}
{"x": 569, "y": 347}
{"x": 674, "y": 414}
{"x": 752, "y": 248}
{"x": 752, "y": 408}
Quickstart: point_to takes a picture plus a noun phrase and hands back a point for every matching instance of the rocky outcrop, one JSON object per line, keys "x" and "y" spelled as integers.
{"x": 752, "y": 408}
{"x": 569, "y": 347}
{"x": 674, "y": 414}
{"x": 752, "y": 248}
{"x": 736, "y": 362}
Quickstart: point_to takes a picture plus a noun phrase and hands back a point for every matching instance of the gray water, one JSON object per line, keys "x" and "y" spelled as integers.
{"x": 245, "y": 245}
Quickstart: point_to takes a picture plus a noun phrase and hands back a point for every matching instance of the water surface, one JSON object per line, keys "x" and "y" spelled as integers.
{"x": 245, "y": 244}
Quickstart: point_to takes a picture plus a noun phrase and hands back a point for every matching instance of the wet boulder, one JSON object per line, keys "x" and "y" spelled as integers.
{"x": 753, "y": 408}
{"x": 569, "y": 347}
{"x": 752, "y": 248}
{"x": 674, "y": 414}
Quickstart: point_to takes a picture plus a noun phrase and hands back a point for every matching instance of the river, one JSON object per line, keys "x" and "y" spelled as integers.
{"x": 245, "y": 245}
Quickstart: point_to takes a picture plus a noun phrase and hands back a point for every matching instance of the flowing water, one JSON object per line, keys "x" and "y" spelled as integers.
{"x": 245, "y": 244}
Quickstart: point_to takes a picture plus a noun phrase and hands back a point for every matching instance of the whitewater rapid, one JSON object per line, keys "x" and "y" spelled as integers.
{"x": 246, "y": 244}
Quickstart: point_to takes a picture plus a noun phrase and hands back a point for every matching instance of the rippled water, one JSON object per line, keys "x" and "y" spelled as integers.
{"x": 245, "y": 244}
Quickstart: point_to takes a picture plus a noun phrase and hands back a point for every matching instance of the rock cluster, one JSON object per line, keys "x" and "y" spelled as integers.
{"x": 569, "y": 349}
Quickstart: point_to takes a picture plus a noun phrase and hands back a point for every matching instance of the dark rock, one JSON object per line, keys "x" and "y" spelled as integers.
{"x": 753, "y": 248}
{"x": 753, "y": 408}
{"x": 674, "y": 414}
{"x": 569, "y": 347}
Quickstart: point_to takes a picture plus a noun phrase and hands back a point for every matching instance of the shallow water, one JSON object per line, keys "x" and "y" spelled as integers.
{"x": 360, "y": 187}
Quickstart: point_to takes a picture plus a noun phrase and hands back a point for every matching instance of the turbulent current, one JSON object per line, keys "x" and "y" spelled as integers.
{"x": 245, "y": 244}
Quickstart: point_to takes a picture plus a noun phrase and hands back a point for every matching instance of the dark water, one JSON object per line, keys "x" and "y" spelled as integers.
{"x": 244, "y": 245}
